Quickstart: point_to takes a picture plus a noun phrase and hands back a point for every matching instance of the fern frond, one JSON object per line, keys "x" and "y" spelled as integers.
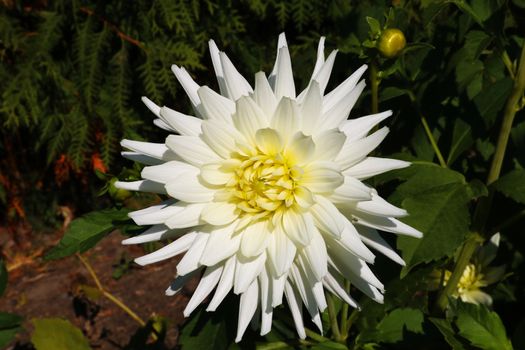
{"x": 95, "y": 67}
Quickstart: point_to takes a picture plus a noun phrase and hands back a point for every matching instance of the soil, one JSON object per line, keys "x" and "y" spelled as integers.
{"x": 41, "y": 289}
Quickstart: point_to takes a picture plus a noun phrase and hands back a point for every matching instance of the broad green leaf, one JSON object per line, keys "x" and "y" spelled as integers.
{"x": 442, "y": 214}
{"x": 492, "y": 98}
{"x": 467, "y": 71}
{"x": 3, "y": 277}
{"x": 375, "y": 26}
{"x": 7, "y": 335}
{"x": 391, "y": 92}
{"x": 482, "y": 327}
{"x": 393, "y": 325}
{"x": 204, "y": 331}
{"x": 513, "y": 185}
{"x": 517, "y": 135}
{"x": 57, "y": 334}
{"x": 445, "y": 328}
{"x": 461, "y": 140}
{"x": 86, "y": 231}
{"x": 9, "y": 327}
{"x": 475, "y": 42}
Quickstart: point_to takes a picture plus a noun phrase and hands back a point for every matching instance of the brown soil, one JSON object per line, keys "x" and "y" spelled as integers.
{"x": 39, "y": 288}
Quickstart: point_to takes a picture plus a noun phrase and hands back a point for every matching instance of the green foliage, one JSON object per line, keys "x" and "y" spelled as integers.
{"x": 86, "y": 231}
{"x": 513, "y": 185}
{"x": 57, "y": 334}
{"x": 9, "y": 327}
{"x": 3, "y": 277}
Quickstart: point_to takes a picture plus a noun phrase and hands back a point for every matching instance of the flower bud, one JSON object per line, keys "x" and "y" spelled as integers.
{"x": 118, "y": 194}
{"x": 391, "y": 42}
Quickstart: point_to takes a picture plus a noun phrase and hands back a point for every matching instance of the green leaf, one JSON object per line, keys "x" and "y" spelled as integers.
{"x": 393, "y": 325}
{"x": 9, "y": 327}
{"x": 202, "y": 328}
{"x": 57, "y": 334}
{"x": 86, "y": 231}
{"x": 482, "y": 327}
{"x": 3, "y": 277}
{"x": 512, "y": 185}
{"x": 492, "y": 98}
{"x": 391, "y": 92}
{"x": 445, "y": 328}
{"x": 375, "y": 26}
{"x": 461, "y": 140}
{"x": 467, "y": 71}
{"x": 329, "y": 345}
{"x": 442, "y": 214}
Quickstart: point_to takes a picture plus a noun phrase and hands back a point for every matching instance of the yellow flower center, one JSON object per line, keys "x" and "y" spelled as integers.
{"x": 262, "y": 184}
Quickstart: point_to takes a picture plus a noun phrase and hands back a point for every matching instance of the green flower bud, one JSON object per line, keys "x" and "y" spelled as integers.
{"x": 391, "y": 42}
{"x": 118, "y": 194}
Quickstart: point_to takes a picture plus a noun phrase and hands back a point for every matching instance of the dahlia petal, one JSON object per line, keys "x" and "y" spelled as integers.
{"x": 220, "y": 137}
{"x": 371, "y": 166}
{"x": 263, "y": 95}
{"x": 286, "y": 118}
{"x": 336, "y": 115}
{"x": 189, "y": 216}
{"x": 320, "y": 57}
{"x": 187, "y": 187}
{"x": 214, "y": 174}
{"x": 327, "y": 217}
{"x": 328, "y": 144}
{"x": 351, "y": 242}
{"x": 277, "y": 286}
{"x": 153, "y": 217}
{"x": 166, "y": 172}
{"x": 351, "y": 190}
{"x": 303, "y": 197}
{"x": 354, "y": 268}
{"x": 174, "y": 248}
{"x": 281, "y": 252}
{"x": 358, "y": 128}
{"x": 163, "y": 125}
{"x": 142, "y": 186}
{"x": 247, "y": 307}
{"x": 140, "y": 158}
{"x": 281, "y": 42}
{"x": 311, "y": 108}
{"x": 208, "y": 281}
{"x": 301, "y": 149}
{"x": 222, "y": 244}
{"x": 326, "y": 70}
{"x": 154, "y": 233}
{"x": 255, "y": 239}
{"x": 476, "y": 297}
{"x": 182, "y": 123}
{"x": 306, "y": 295}
{"x": 215, "y": 106}
{"x": 371, "y": 238}
{"x": 152, "y": 106}
{"x": 316, "y": 256}
{"x": 236, "y": 85}
{"x": 248, "y": 117}
{"x": 152, "y": 209}
{"x": 379, "y": 207}
{"x": 225, "y": 284}
{"x": 246, "y": 271}
{"x": 355, "y": 151}
{"x": 219, "y": 213}
{"x": 322, "y": 177}
{"x": 266, "y": 302}
{"x": 269, "y": 141}
{"x": 192, "y": 149}
{"x": 386, "y": 224}
{"x": 217, "y": 67}
{"x": 337, "y": 289}
{"x": 284, "y": 84}
{"x": 154, "y": 150}
{"x": 190, "y": 260}
{"x": 188, "y": 84}
{"x": 177, "y": 285}
{"x": 339, "y": 93}
{"x": 299, "y": 227}
{"x": 295, "y": 308}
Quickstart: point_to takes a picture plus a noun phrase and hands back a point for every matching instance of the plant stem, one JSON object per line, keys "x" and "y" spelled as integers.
{"x": 333, "y": 318}
{"x": 374, "y": 86}
{"x": 315, "y": 336}
{"x": 351, "y": 319}
{"x": 344, "y": 314}
{"x": 485, "y": 203}
{"x": 433, "y": 142}
{"x": 110, "y": 296}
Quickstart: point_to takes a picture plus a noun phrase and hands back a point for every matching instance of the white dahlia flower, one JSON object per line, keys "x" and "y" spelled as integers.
{"x": 265, "y": 190}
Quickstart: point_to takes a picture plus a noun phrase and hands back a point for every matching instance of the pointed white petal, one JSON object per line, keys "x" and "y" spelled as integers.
{"x": 315, "y": 255}
{"x": 141, "y": 158}
{"x": 182, "y": 123}
{"x": 263, "y": 95}
{"x": 327, "y": 217}
{"x": 328, "y": 144}
{"x": 188, "y": 84}
{"x": 221, "y": 137}
{"x": 217, "y": 67}
{"x": 177, "y": 285}
{"x": 225, "y": 284}
{"x": 284, "y": 84}
{"x": 221, "y": 245}
{"x": 235, "y": 83}
{"x": 371, "y": 166}
{"x": 299, "y": 227}
{"x": 215, "y": 106}
{"x": 320, "y": 57}
{"x": 249, "y": 118}
{"x": 187, "y": 217}
{"x": 281, "y": 42}
{"x": 174, "y": 248}
{"x": 219, "y": 213}
{"x": 153, "y": 217}
{"x": 379, "y": 207}
{"x": 154, "y": 150}
{"x": 339, "y": 93}
{"x": 358, "y": 128}
{"x": 311, "y": 108}
{"x": 192, "y": 149}
{"x": 246, "y": 271}
{"x": 190, "y": 261}
{"x": 277, "y": 287}
{"x": 351, "y": 242}
{"x": 187, "y": 187}
{"x": 208, "y": 281}
{"x": 247, "y": 307}
{"x": 295, "y": 308}
{"x": 142, "y": 186}
{"x": 335, "y": 287}
{"x": 281, "y": 252}
{"x": 163, "y": 125}
{"x": 266, "y": 302}
{"x": 151, "y": 106}
{"x": 286, "y": 118}
{"x": 269, "y": 141}
{"x": 386, "y": 224}
{"x": 355, "y": 151}
{"x": 166, "y": 172}
{"x": 301, "y": 149}
{"x": 154, "y": 233}
{"x": 322, "y": 176}
{"x": 351, "y": 190}
{"x": 255, "y": 239}
{"x": 371, "y": 238}
{"x": 324, "y": 73}
{"x": 335, "y": 116}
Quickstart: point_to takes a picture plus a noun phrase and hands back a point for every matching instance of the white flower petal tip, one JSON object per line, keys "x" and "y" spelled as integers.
{"x": 266, "y": 192}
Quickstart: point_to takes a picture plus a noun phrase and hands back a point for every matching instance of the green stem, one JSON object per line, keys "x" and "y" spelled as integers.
{"x": 332, "y": 314}
{"x": 353, "y": 316}
{"x": 315, "y": 336}
{"x": 344, "y": 314}
{"x": 433, "y": 142}
{"x": 374, "y": 86}
{"x": 485, "y": 203}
